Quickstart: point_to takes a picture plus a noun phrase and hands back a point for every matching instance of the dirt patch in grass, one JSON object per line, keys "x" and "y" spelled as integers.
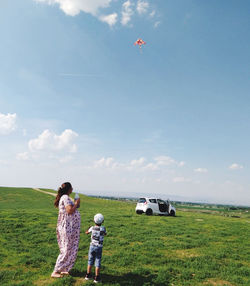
{"x": 49, "y": 281}
{"x": 51, "y": 225}
{"x": 44, "y": 282}
{"x": 80, "y": 281}
{"x": 48, "y": 193}
{"x": 135, "y": 243}
{"x": 186, "y": 253}
{"x": 217, "y": 282}
{"x": 107, "y": 253}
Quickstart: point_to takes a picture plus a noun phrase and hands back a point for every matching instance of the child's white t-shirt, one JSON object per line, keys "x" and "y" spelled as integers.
{"x": 97, "y": 235}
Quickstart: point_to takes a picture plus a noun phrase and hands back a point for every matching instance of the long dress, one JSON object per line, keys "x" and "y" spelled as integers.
{"x": 68, "y": 234}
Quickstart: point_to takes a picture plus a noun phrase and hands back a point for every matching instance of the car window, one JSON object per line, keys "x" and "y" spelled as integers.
{"x": 153, "y": 201}
{"x": 160, "y": 201}
{"x": 142, "y": 200}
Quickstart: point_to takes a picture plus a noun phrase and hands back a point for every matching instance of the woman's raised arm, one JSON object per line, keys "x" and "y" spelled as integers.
{"x": 71, "y": 209}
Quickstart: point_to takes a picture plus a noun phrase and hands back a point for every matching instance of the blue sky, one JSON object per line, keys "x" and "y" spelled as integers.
{"x": 79, "y": 102}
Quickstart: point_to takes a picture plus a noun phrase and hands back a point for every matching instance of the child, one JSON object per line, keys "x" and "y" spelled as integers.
{"x": 95, "y": 248}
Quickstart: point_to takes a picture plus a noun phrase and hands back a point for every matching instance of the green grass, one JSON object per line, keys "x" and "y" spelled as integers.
{"x": 190, "y": 249}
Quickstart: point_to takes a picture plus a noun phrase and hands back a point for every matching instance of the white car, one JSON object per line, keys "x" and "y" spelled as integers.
{"x": 151, "y": 206}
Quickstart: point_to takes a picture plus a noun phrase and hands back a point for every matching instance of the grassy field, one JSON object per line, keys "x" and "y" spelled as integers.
{"x": 193, "y": 248}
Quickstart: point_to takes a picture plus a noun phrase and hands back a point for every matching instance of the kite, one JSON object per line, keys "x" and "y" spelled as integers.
{"x": 139, "y": 42}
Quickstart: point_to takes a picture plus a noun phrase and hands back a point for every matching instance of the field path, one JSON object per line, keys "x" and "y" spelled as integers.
{"x": 52, "y": 194}
{"x": 49, "y": 193}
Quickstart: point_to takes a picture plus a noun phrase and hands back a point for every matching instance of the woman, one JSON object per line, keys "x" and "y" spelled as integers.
{"x": 68, "y": 230}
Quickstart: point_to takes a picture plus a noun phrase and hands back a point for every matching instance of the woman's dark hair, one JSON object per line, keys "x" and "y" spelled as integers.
{"x": 63, "y": 190}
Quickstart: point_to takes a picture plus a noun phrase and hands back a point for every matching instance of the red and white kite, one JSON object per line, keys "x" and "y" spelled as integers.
{"x": 139, "y": 42}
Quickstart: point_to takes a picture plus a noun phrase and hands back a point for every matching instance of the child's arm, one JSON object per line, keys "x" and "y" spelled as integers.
{"x": 88, "y": 231}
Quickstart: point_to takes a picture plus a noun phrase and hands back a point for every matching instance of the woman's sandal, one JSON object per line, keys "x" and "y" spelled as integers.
{"x": 56, "y": 275}
{"x": 65, "y": 273}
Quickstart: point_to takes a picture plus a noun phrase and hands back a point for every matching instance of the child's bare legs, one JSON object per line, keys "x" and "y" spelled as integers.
{"x": 89, "y": 269}
{"x": 97, "y": 271}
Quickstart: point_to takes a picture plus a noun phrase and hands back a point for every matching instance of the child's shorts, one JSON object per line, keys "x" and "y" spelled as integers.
{"x": 95, "y": 255}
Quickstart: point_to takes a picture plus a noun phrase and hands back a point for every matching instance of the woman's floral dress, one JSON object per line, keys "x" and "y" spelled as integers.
{"x": 68, "y": 234}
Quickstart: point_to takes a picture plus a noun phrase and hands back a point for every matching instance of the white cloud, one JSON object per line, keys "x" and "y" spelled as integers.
{"x": 164, "y": 160}
{"x": 142, "y": 7}
{"x": 138, "y": 163}
{"x": 23, "y": 156}
{"x": 151, "y": 166}
{"x": 49, "y": 141}
{"x": 127, "y": 13}
{"x": 167, "y": 161}
{"x": 7, "y": 123}
{"x": 180, "y": 180}
{"x": 95, "y": 8}
{"x": 65, "y": 159}
{"x": 105, "y": 162}
{"x": 161, "y": 180}
{"x": 200, "y": 170}
{"x": 109, "y": 19}
{"x": 158, "y": 163}
{"x": 152, "y": 14}
{"x": 182, "y": 163}
{"x": 235, "y": 166}
{"x": 156, "y": 24}
{"x": 24, "y": 132}
{"x": 74, "y": 7}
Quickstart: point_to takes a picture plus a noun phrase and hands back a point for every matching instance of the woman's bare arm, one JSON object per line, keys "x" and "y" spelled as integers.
{"x": 71, "y": 209}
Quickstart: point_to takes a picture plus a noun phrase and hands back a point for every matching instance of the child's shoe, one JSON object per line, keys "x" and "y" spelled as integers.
{"x": 97, "y": 279}
{"x": 88, "y": 276}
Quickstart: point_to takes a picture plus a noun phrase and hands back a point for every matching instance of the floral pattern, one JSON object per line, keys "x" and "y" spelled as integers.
{"x": 68, "y": 234}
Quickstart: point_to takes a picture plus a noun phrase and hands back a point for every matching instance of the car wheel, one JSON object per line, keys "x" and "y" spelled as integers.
{"x": 172, "y": 213}
{"x": 139, "y": 212}
{"x": 149, "y": 212}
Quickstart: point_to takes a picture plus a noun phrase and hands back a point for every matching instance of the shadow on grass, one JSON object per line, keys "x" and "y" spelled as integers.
{"x": 76, "y": 273}
{"x": 126, "y": 279}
